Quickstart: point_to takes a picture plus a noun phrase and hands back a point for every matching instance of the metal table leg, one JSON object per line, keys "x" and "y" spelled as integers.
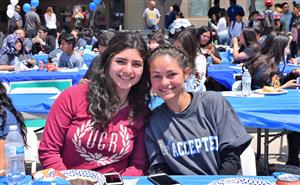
{"x": 266, "y": 152}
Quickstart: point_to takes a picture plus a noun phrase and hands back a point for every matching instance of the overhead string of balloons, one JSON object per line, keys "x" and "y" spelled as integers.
{"x": 33, "y": 4}
{"x": 93, "y": 5}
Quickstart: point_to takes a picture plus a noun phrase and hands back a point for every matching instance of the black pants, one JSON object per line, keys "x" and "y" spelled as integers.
{"x": 293, "y": 139}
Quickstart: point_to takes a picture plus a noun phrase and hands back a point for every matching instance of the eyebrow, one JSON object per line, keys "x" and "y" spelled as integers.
{"x": 121, "y": 58}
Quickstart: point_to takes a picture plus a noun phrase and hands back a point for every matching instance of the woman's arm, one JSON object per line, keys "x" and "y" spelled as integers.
{"x": 7, "y": 68}
{"x": 138, "y": 160}
{"x": 238, "y": 56}
{"x": 214, "y": 53}
{"x": 53, "y": 139}
{"x": 2, "y": 158}
{"x": 156, "y": 159}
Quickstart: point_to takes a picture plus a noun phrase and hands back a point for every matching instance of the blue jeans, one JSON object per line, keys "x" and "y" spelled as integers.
{"x": 155, "y": 27}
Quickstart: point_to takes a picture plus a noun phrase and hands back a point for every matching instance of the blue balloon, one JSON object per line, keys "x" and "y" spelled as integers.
{"x": 26, "y": 7}
{"x": 35, "y": 3}
{"x": 92, "y": 6}
{"x": 97, "y": 2}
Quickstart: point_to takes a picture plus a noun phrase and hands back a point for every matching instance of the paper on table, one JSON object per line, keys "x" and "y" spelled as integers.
{"x": 131, "y": 181}
{"x": 239, "y": 94}
{"x": 54, "y": 97}
{"x": 236, "y": 67}
{"x": 68, "y": 69}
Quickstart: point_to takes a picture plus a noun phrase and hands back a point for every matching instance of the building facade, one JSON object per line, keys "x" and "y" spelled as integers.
{"x": 127, "y": 14}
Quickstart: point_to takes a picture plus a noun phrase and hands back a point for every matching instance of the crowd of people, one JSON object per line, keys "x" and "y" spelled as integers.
{"x": 104, "y": 122}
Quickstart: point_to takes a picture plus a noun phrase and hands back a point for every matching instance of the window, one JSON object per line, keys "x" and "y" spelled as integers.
{"x": 198, "y": 7}
{"x": 259, "y": 5}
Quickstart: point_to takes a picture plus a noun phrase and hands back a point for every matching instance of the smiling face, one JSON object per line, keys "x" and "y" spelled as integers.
{"x": 167, "y": 77}
{"x": 126, "y": 69}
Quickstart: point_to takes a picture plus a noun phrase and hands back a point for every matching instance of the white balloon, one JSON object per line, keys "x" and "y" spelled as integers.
{"x": 10, "y": 7}
{"x": 10, "y": 13}
{"x": 14, "y": 2}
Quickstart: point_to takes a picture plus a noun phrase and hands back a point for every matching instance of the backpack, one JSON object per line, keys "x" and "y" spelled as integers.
{"x": 268, "y": 22}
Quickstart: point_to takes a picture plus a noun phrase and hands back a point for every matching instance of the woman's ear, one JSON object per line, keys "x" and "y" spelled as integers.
{"x": 187, "y": 72}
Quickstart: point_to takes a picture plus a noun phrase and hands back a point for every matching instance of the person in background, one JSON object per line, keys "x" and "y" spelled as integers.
{"x": 86, "y": 38}
{"x": 8, "y": 116}
{"x": 233, "y": 9}
{"x": 264, "y": 69}
{"x": 204, "y": 38}
{"x": 295, "y": 43}
{"x": 43, "y": 42}
{"x": 296, "y": 14}
{"x": 76, "y": 34}
{"x": 50, "y": 19}
{"x": 191, "y": 133}
{"x": 264, "y": 66}
{"x": 78, "y": 18}
{"x": 103, "y": 41}
{"x": 16, "y": 22}
{"x": 151, "y": 16}
{"x": 32, "y": 23}
{"x": 27, "y": 43}
{"x": 215, "y": 10}
{"x": 172, "y": 15}
{"x": 70, "y": 58}
{"x": 12, "y": 51}
{"x": 222, "y": 28}
{"x": 179, "y": 24}
{"x": 186, "y": 40}
{"x": 101, "y": 123}
{"x": 236, "y": 26}
{"x": 254, "y": 21}
{"x": 245, "y": 46}
{"x": 156, "y": 39}
{"x": 286, "y": 16}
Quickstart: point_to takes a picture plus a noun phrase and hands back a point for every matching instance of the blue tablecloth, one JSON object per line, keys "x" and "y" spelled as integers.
{"x": 186, "y": 180}
{"x": 273, "y": 112}
{"x": 224, "y": 73}
{"x": 41, "y": 75}
{"x": 32, "y": 103}
{"x": 87, "y": 57}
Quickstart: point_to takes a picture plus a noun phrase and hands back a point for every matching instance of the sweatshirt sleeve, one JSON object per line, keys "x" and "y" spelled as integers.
{"x": 139, "y": 162}
{"x": 57, "y": 125}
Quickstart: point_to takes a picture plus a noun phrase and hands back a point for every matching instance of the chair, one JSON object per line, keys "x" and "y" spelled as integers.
{"x": 31, "y": 152}
{"x": 248, "y": 162}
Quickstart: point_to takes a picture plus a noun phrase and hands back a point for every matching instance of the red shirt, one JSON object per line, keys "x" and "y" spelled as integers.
{"x": 70, "y": 142}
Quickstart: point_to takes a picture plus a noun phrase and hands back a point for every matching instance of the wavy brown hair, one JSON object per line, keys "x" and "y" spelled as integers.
{"x": 102, "y": 96}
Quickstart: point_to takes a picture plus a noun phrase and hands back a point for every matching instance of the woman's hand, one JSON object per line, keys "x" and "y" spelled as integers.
{"x": 31, "y": 61}
{"x": 290, "y": 84}
{"x": 235, "y": 41}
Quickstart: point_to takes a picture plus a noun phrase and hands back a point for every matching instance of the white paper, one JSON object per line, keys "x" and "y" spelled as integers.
{"x": 68, "y": 69}
{"x": 131, "y": 181}
{"x": 239, "y": 94}
{"x": 54, "y": 97}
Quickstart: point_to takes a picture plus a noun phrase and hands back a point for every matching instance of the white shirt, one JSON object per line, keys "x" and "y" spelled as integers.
{"x": 50, "y": 21}
{"x": 236, "y": 30}
{"x": 222, "y": 28}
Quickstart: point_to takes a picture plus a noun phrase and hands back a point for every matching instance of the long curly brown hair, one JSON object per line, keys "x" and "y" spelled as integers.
{"x": 102, "y": 96}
